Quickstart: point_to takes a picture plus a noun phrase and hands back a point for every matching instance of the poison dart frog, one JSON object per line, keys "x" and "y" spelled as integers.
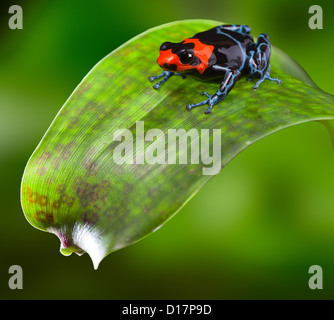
{"x": 226, "y": 52}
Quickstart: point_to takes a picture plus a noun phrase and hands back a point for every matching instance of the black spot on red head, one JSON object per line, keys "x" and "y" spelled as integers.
{"x": 185, "y": 56}
{"x": 165, "y": 46}
{"x": 176, "y": 47}
{"x": 170, "y": 66}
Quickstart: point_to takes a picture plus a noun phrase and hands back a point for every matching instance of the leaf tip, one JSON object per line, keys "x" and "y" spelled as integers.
{"x": 80, "y": 239}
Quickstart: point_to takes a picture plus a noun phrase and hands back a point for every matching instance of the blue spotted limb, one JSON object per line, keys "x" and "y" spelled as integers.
{"x": 165, "y": 75}
{"x": 266, "y": 76}
{"x": 230, "y": 78}
{"x": 259, "y": 61}
{"x": 243, "y": 29}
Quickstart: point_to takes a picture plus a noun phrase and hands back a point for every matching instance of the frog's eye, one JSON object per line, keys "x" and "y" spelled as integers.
{"x": 165, "y": 46}
{"x": 186, "y": 56}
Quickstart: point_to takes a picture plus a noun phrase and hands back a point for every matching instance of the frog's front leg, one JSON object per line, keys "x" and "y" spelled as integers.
{"x": 230, "y": 78}
{"x": 165, "y": 75}
{"x": 259, "y": 61}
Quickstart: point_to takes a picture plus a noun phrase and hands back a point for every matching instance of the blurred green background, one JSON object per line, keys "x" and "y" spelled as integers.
{"x": 251, "y": 233}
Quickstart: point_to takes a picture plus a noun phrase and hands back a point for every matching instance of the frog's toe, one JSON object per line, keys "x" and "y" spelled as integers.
{"x": 276, "y": 80}
{"x": 189, "y": 107}
{"x": 206, "y": 94}
{"x": 193, "y": 105}
{"x": 156, "y": 86}
{"x": 151, "y": 79}
{"x": 256, "y": 85}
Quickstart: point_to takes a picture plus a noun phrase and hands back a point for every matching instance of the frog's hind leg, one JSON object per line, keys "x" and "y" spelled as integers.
{"x": 230, "y": 78}
{"x": 259, "y": 60}
{"x": 266, "y": 76}
{"x": 242, "y": 28}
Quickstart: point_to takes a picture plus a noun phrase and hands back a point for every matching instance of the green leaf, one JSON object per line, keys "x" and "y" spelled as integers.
{"x": 72, "y": 185}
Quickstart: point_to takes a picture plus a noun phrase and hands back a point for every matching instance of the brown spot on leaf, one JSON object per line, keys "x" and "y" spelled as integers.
{"x": 89, "y": 194}
{"x": 127, "y": 188}
{"x": 64, "y": 150}
{"x": 44, "y": 217}
{"x": 70, "y": 201}
{"x": 73, "y": 122}
{"x": 76, "y": 182}
{"x": 90, "y": 217}
{"x": 26, "y": 190}
{"x": 43, "y": 200}
{"x": 63, "y": 198}
{"x": 56, "y": 163}
{"x": 153, "y": 192}
{"x": 56, "y": 205}
{"x": 118, "y": 170}
{"x": 81, "y": 89}
{"x": 163, "y": 215}
{"x": 61, "y": 188}
{"x": 33, "y": 197}
{"x": 83, "y": 194}
{"x": 41, "y": 171}
{"x": 50, "y": 181}
{"x": 43, "y": 157}
{"x": 90, "y": 166}
{"x": 109, "y": 75}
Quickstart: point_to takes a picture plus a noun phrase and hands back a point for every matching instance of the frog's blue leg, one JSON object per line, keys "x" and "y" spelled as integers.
{"x": 259, "y": 61}
{"x": 165, "y": 75}
{"x": 230, "y": 78}
{"x": 266, "y": 76}
{"x": 237, "y": 28}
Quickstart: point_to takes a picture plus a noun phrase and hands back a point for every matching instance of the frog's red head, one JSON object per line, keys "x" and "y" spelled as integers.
{"x": 187, "y": 55}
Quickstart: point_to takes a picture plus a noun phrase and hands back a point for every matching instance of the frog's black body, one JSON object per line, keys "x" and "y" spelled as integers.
{"x": 229, "y": 50}
{"x": 225, "y": 52}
